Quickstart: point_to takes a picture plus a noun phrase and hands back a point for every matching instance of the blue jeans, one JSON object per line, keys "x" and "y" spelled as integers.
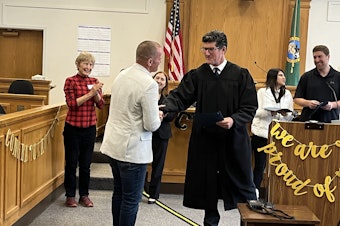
{"x": 127, "y": 191}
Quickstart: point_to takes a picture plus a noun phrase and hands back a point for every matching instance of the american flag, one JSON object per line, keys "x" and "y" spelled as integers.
{"x": 173, "y": 45}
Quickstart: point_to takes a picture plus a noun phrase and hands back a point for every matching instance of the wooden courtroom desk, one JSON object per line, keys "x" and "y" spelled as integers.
{"x": 41, "y": 87}
{"x": 302, "y": 216}
{"x": 19, "y": 102}
{"x": 23, "y": 184}
{"x": 301, "y": 173}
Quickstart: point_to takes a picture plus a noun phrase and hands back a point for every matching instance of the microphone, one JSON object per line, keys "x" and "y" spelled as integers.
{"x": 260, "y": 67}
{"x": 315, "y": 110}
{"x": 329, "y": 84}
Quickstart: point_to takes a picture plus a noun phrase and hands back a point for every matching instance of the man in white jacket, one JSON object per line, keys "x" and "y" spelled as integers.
{"x": 133, "y": 116}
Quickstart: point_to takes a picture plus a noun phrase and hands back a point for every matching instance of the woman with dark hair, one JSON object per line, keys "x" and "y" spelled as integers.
{"x": 160, "y": 139}
{"x": 273, "y": 96}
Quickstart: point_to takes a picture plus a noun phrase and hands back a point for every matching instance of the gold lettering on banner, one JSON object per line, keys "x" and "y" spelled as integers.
{"x": 24, "y": 152}
{"x": 22, "y": 157}
{"x": 7, "y": 140}
{"x": 283, "y": 135}
{"x": 34, "y": 153}
{"x": 42, "y": 147}
{"x": 16, "y": 147}
{"x": 302, "y": 151}
{"x": 337, "y": 173}
{"x": 321, "y": 189}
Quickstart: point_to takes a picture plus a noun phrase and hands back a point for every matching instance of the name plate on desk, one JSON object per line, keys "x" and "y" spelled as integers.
{"x": 314, "y": 125}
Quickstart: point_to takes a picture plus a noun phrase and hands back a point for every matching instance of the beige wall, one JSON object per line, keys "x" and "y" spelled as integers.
{"x": 132, "y": 21}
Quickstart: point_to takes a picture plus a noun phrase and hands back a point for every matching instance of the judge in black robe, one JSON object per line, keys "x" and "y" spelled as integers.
{"x": 219, "y": 155}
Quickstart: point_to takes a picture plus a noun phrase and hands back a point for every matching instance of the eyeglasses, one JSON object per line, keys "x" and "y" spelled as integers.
{"x": 210, "y": 50}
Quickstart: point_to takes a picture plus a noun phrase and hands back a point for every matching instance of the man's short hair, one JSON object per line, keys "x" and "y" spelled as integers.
{"x": 147, "y": 49}
{"x": 216, "y": 36}
{"x": 321, "y": 48}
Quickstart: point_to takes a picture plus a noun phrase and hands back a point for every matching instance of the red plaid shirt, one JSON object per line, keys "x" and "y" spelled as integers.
{"x": 82, "y": 116}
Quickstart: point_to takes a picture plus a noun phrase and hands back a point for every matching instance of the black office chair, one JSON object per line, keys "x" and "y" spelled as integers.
{"x": 21, "y": 87}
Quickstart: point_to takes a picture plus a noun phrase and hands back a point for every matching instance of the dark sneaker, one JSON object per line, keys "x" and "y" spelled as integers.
{"x": 85, "y": 201}
{"x": 71, "y": 202}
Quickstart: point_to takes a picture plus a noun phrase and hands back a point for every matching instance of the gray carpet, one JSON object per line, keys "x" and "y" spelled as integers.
{"x": 100, "y": 215}
{"x": 101, "y": 185}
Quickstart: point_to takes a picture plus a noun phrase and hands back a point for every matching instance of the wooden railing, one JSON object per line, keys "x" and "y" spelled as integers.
{"x": 31, "y": 159}
{"x": 19, "y": 102}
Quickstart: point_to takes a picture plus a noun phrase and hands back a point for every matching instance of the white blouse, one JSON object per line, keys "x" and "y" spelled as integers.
{"x": 263, "y": 118}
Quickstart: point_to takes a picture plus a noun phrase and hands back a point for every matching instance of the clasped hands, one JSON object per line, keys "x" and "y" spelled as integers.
{"x": 161, "y": 113}
{"x": 325, "y": 106}
{"x": 226, "y": 123}
{"x": 97, "y": 87}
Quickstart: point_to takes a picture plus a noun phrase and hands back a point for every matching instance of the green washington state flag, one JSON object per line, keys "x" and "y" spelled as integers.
{"x": 292, "y": 71}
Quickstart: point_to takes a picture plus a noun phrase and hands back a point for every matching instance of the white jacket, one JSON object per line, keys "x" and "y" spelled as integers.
{"x": 263, "y": 118}
{"x": 133, "y": 116}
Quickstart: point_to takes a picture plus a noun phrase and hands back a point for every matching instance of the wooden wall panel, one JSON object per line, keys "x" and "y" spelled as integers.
{"x": 41, "y": 172}
{"x": 12, "y": 184}
{"x": 21, "y": 52}
{"x": 257, "y": 30}
{"x": 2, "y": 175}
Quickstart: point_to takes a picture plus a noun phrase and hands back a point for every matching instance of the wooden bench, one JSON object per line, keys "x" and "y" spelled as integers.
{"x": 302, "y": 216}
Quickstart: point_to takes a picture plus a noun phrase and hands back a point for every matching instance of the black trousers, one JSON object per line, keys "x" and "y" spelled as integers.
{"x": 79, "y": 144}
{"x": 260, "y": 159}
{"x": 159, "y": 148}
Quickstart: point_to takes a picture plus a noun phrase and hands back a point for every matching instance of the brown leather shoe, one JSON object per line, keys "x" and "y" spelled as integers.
{"x": 85, "y": 201}
{"x": 71, "y": 202}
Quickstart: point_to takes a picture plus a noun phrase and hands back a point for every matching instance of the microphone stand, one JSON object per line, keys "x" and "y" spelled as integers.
{"x": 336, "y": 101}
{"x": 260, "y": 67}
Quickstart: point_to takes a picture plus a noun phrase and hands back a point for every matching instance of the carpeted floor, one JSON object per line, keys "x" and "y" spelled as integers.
{"x": 173, "y": 213}
{"x": 100, "y": 215}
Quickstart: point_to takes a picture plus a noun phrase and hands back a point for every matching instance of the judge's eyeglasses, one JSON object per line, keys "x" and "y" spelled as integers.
{"x": 210, "y": 50}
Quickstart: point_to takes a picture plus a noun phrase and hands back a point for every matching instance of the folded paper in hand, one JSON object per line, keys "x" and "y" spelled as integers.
{"x": 277, "y": 109}
{"x": 208, "y": 119}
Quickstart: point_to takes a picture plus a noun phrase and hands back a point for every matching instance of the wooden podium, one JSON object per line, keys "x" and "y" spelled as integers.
{"x": 304, "y": 159}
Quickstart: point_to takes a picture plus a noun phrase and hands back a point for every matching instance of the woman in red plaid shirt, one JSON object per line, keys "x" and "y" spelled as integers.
{"x": 83, "y": 94}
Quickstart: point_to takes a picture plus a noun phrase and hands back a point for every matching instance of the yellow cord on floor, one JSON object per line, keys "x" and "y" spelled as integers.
{"x": 173, "y": 212}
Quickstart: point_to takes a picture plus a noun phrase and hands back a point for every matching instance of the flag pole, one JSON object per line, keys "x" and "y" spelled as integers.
{"x": 292, "y": 70}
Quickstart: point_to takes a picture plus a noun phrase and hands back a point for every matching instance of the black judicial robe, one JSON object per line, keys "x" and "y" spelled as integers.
{"x": 214, "y": 149}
